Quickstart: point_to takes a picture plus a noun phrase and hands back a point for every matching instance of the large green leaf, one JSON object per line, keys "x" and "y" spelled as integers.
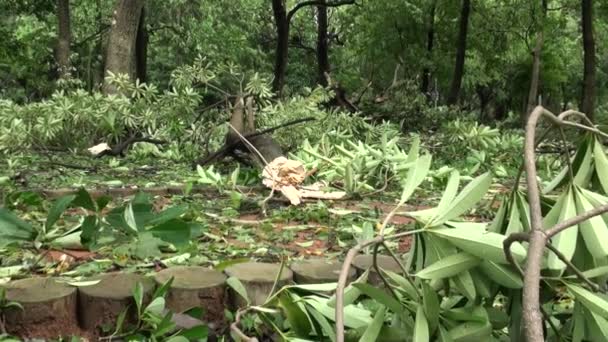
{"x": 373, "y": 330}
{"x": 590, "y": 300}
{"x": 381, "y": 296}
{"x": 421, "y": 328}
{"x": 598, "y": 326}
{"x": 167, "y": 215}
{"x": 466, "y": 199}
{"x": 564, "y": 241}
{"x": 500, "y": 217}
{"x": 174, "y": 231}
{"x": 351, "y": 293}
{"x": 473, "y": 331}
{"x": 83, "y": 199}
{"x": 593, "y": 230}
{"x": 238, "y": 287}
{"x": 601, "y": 165}
{"x": 13, "y": 229}
{"x": 501, "y": 274}
{"x": 465, "y": 285}
{"x": 326, "y": 328}
{"x": 484, "y": 245}
{"x": 430, "y": 302}
{"x": 57, "y": 210}
{"x": 449, "y": 266}
{"x": 449, "y": 193}
{"x": 297, "y": 318}
{"x": 415, "y": 176}
{"x": 402, "y": 284}
{"x": 524, "y": 210}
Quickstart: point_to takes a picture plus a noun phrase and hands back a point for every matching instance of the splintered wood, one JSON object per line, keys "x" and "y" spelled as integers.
{"x": 287, "y": 175}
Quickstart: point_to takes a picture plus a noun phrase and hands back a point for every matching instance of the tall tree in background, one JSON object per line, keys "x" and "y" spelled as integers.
{"x": 282, "y": 20}
{"x": 536, "y": 54}
{"x": 120, "y": 54}
{"x": 460, "y": 53}
{"x": 589, "y": 73}
{"x": 430, "y": 36}
{"x": 64, "y": 38}
{"x": 322, "y": 45}
{"x": 141, "y": 49}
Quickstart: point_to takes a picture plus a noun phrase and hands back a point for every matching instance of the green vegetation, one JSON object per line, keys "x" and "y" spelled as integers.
{"x": 413, "y": 109}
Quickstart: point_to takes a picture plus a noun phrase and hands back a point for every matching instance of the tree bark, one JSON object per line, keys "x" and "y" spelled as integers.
{"x": 536, "y": 59}
{"x": 62, "y": 52}
{"x": 589, "y": 73}
{"x": 322, "y": 45}
{"x": 280, "y": 65}
{"x": 141, "y": 49}
{"x": 120, "y": 54}
{"x": 430, "y": 36}
{"x": 460, "y": 53}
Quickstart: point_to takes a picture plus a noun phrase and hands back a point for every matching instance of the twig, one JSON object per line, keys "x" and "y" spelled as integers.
{"x": 234, "y": 327}
{"x": 571, "y": 266}
{"x": 379, "y": 272}
{"x": 556, "y": 229}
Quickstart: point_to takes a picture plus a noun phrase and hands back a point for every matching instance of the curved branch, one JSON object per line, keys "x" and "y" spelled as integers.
{"x": 303, "y": 4}
{"x": 595, "y": 287}
{"x": 556, "y": 229}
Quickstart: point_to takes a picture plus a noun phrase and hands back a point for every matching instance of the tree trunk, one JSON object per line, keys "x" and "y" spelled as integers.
{"x": 460, "y": 53}
{"x": 589, "y": 74}
{"x": 120, "y": 54}
{"x": 62, "y": 52}
{"x": 430, "y": 36}
{"x": 322, "y": 45}
{"x": 280, "y": 66}
{"x": 535, "y": 76}
{"x": 141, "y": 49}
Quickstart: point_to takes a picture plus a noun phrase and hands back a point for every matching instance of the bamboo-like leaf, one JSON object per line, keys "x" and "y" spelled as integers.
{"x": 593, "y": 230}
{"x": 430, "y": 301}
{"x": 471, "y": 194}
{"x": 499, "y": 220}
{"x": 578, "y": 322}
{"x": 57, "y": 210}
{"x": 238, "y": 287}
{"x": 373, "y": 330}
{"x": 584, "y": 172}
{"x": 351, "y": 293}
{"x": 601, "y": 165}
{"x": 381, "y": 296}
{"x": 484, "y": 245}
{"x": 514, "y": 225}
{"x": 524, "y": 210}
{"x": 501, "y": 274}
{"x": 483, "y": 286}
{"x": 449, "y": 193}
{"x": 402, "y": 284}
{"x": 449, "y": 266}
{"x": 323, "y": 322}
{"x": 590, "y": 300}
{"x": 465, "y": 285}
{"x": 564, "y": 241}
{"x": 294, "y": 314}
{"x": 421, "y": 328}
{"x": 599, "y": 326}
{"x": 415, "y": 176}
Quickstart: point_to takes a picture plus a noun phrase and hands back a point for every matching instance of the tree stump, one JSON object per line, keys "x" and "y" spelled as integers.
{"x": 49, "y": 308}
{"x": 318, "y": 271}
{"x": 195, "y": 286}
{"x": 100, "y": 304}
{"x": 363, "y": 262}
{"x": 258, "y": 279}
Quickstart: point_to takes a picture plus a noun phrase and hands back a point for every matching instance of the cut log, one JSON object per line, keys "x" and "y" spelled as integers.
{"x": 100, "y": 304}
{"x": 364, "y": 262}
{"x": 318, "y": 271}
{"x": 258, "y": 279}
{"x": 49, "y": 309}
{"x": 195, "y": 286}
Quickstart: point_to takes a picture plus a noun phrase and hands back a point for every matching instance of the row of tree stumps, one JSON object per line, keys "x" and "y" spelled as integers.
{"x": 53, "y": 308}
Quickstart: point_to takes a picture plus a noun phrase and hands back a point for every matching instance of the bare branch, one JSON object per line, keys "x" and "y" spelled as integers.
{"x": 303, "y": 4}
{"x": 556, "y": 229}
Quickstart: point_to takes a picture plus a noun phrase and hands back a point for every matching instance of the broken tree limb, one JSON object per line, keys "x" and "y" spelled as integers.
{"x": 119, "y": 149}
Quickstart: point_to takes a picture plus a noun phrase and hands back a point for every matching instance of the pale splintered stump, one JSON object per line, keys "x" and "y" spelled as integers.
{"x": 317, "y": 271}
{"x": 195, "y": 286}
{"x": 258, "y": 279}
{"x": 99, "y": 305}
{"x": 363, "y": 262}
{"x": 49, "y": 308}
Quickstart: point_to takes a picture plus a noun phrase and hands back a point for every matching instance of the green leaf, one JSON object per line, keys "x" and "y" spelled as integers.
{"x": 83, "y": 199}
{"x": 465, "y": 285}
{"x": 161, "y": 291}
{"x": 238, "y": 287}
{"x": 444, "y": 336}
{"x": 197, "y": 333}
{"x": 484, "y": 245}
{"x": 90, "y": 230}
{"x": 501, "y": 274}
{"x": 57, "y": 210}
{"x": 449, "y": 193}
{"x": 471, "y": 331}
{"x": 129, "y": 218}
{"x": 402, "y": 284}
{"x": 138, "y": 296}
{"x": 601, "y": 165}
{"x": 168, "y": 215}
{"x": 590, "y": 300}
{"x": 351, "y": 293}
{"x": 328, "y": 330}
{"x": 471, "y": 194}
{"x": 583, "y": 170}
{"x": 593, "y": 230}
{"x": 449, "y": 266}
{"x": 483, "y": 286}
{"x": 373, "y": 330}
{"x": 565, "y": 241}
{"x": 120, "y": 320}
{"x": 381, "y": 296}
{"x": 415, "y": 176}
{"x": 298, "y": 321}
{"x": 594, "y": 272}
{"x": 524, "y": 210}
{"x": 174, "y": 231}
{"x": 578, "y": 322}
{"x": 499, "y": 220}
{"x": 430, "y": 302}
{"x": 177, "y": 339}
{"x": 421, "y": 328}
{"x": 599, "y": 326}
{"x": 13, "y": 229}
{"x": 156, "y": 306}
